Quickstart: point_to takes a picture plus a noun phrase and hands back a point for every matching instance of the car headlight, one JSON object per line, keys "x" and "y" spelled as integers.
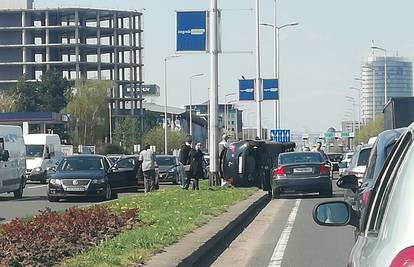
{"x": 98, "y": 181}
{"x": 56, "y": 182}
{"x": 38, "y": 169}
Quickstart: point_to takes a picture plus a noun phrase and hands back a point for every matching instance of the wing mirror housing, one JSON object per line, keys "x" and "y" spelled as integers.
{"x": 335, "y": 213}
{"x": 348, "y": 182}
{"x": 47, "y": 156}
{"x": 4, "y": 155}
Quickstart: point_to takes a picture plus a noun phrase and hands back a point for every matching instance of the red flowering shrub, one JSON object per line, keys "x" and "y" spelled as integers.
{"x": 50, "y": 237}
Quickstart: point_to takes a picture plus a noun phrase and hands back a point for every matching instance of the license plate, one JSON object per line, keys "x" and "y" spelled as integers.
{"x": 76, "y": 189}
{"x": 302, "y": 170}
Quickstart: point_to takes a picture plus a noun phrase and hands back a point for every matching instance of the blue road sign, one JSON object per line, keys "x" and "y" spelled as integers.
{"x": 191, "y": 31}
{"x": 270, "y": 89}
{"x": 280, "y": 136}
{"x": 246, "y": 90}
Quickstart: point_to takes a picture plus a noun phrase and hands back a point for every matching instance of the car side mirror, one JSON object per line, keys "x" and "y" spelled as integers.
{"x": 47, "y": 156}
{"x": 348, "y": 182}
{"x": 335, "y": 213}
{"x": 4, "y": 156}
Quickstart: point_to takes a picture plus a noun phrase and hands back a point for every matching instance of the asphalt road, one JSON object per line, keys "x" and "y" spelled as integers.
{"x": 35, "y": 200}
{"x": 284, "y": 234}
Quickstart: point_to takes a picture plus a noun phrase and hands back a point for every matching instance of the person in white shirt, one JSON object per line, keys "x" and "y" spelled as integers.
{"x": 147, "y": 157}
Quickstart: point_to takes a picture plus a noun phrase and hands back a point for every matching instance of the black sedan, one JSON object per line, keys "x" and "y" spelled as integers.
{"x": 301, "y": 172}
{"x": 335, "y": 159}
{"x": 91, "y": 176}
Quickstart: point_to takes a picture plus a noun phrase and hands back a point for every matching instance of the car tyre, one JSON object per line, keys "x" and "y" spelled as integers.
{"x": 52, "y": 199}
{"x": 19, "y": 192}
{"x": 328, "y": 193}
{"x": 275, "y": 193}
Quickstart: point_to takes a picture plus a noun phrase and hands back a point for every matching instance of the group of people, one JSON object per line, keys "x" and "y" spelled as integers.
{"x": 193, "y": 160}
{"x": 317, "y": 148}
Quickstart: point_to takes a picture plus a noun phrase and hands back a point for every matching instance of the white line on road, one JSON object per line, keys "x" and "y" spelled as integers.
{"x": 279, "y": 252}
{"x": 37, "y": 186}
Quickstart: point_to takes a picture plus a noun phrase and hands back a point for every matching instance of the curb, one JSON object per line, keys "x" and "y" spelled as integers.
{"x": 203, "y": 246}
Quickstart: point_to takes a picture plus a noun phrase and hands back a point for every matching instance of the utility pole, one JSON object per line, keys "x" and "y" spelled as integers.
{"x": 258, "y": 84}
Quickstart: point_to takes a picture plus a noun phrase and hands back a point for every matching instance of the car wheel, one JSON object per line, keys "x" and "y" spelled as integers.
{"x": 19, "y": 192}
{"x": 275, "y": 193}
{"x": 52, "y": 199}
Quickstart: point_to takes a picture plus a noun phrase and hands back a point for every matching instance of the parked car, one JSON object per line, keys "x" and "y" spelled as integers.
{"x": 113, "y": 158}
{"x": 335, "y": 158}
{"x": 301, "y": 172}
{"x": 357, "y": 167}
{"x": 43, "y": 152}
{"x": 12, "y": 160}
{"x": 386, "y": 235}
{"x": 170, "y": 169}
{"x": 91, "y": 176}
{"x": 344, "y": 164}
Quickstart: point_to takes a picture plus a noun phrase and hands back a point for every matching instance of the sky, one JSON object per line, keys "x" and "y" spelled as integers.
{"x": 319, "y": 58}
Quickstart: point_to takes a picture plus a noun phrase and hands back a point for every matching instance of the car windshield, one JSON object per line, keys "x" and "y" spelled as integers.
{"x": 335, "y": 157}
{"x": 292, "y": 158}
{"x": 165, "y": 161}
{"x": 34, "y": 151}
{"x": 363, "y": 157}
{"x": 81, "y": 164}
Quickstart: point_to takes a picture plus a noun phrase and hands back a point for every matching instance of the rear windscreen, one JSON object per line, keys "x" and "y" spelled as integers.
{"x": 292, "y": 158}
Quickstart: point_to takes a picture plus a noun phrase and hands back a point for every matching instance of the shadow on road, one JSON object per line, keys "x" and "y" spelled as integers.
{"x": 337, "y": 194}
{"x": 23, "y": 199}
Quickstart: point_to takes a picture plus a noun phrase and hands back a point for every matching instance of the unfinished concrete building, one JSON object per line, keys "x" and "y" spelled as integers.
{"x": 82, "y": 43}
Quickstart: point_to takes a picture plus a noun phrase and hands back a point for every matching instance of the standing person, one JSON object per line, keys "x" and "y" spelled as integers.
{"x": 223, "y": 146}
{"x": 196, "y": 166}
{"x": 184, "y": 158}
{"x": 147, "y": 157}
{"x": 318, "y": 149}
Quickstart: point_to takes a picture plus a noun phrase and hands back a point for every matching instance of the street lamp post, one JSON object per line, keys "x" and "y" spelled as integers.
{"x": 258, "y": 85}
{"x": 276, "y": 63}
{"x": 359, "y": 94}
{"x": 385, "y": 71}
{"x": 352, "y": 100}
{"x": 165, "y": 102}
{"x": 191, "y": 102}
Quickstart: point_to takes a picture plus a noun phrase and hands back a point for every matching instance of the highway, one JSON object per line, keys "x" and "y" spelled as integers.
{"x": 284, "y": 234}
{"x": 35, "y": 199}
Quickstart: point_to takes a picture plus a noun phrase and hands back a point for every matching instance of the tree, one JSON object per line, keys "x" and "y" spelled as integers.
{"x": 155, "y": 137}
{"x": 126, "y": 133}
{"x": 48, "y": 94}
{"x": 7, "y": 103}
{"x": 88, "y": 110}
{"x": 371, "y": 129}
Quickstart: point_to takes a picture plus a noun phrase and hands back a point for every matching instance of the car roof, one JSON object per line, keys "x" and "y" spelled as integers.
{"x": 299, "y": 152}
{"x": 165, "y": 156}
{"x": 86, "y": 156}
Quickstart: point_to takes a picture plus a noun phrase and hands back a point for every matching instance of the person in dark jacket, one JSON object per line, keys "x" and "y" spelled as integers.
{"x": 196, "y": 167}
{"x": 184, "y": 158}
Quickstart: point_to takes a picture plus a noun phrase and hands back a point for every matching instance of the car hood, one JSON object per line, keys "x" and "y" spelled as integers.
{"x": 32, "y": 163}
{"x": 79, "y": 175}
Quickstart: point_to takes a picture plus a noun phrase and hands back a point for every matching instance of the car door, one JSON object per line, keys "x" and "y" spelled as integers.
{"x": 128, "y": 168}
{"x": 363, "y": 252}
{"x": 115, "y": 177}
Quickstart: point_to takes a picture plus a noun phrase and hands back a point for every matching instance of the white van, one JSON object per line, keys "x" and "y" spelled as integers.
{"x": 12, "y": 160}
{"x": 43, "y": 152}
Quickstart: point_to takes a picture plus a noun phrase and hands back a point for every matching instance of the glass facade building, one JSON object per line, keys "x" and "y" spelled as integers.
{"x": 399, "y": 83}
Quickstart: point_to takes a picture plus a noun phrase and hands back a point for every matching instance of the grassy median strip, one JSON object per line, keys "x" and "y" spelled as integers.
{"x": 168, "y": 215}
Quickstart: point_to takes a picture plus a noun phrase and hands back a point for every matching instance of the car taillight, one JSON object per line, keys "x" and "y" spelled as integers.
{"x": 325, "y": 169}
{"x": 404, "y": 259}
{"x": 232, "y": 148}
{"x": 280, "y": 171}
{"x": 365, "y": 197}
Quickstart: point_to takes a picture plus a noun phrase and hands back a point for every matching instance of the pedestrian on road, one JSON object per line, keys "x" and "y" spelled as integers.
{"x": 196, "y": 167}
{"x": 147, "y": 157}
{"x": 184, "y": 158}
{"x": 318, "y": 149}
{"x": 223, "y": 146}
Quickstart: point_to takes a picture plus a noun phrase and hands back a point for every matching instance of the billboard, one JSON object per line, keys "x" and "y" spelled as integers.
{"x": 191, "y": 31}
{"x": 246, "y": 90}
{"x": 270, "y": 89}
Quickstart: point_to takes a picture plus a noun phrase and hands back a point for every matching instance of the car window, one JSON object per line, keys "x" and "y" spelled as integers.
{"x": 382, "y": 189}
{"x": 369, "y": 174}
{"x": 292, "y": 158}
{"x": 106, "y": 164}
{"x": 81, "y": 164}
{"x": 165, "y": 161}
{"x": 363, "y": 157}
{"x": 126, "y": 163}
{"x": 335, "y": 157}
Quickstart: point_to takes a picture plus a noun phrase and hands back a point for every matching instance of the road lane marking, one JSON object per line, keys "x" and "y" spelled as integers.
{"x": 279, "y": 252}
{"x": 37, "y": 186}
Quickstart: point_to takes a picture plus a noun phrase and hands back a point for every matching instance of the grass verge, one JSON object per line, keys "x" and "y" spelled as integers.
{"x": 168, "y": 214}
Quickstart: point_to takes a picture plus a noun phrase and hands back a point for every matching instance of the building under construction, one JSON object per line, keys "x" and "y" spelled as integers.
{"x": 82, "y": 43}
